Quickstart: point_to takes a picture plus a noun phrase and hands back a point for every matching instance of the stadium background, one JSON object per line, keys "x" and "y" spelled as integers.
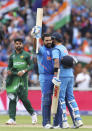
{"x": 17, "y": 19}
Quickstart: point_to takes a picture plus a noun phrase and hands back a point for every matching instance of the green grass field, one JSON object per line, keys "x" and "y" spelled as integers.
{"x": 24, "y": 124}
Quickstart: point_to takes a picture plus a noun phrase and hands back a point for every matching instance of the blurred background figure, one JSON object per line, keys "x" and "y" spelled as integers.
{"x": 89, "y": 67}
{"x": 33, "y": 76}
{"x": 83, "y": 79}
{"x": 77, "y": 69}
{"x": 3, "y": 75}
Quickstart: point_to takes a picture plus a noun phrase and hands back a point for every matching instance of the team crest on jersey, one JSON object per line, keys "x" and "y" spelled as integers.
{"x": 21, "y": 56}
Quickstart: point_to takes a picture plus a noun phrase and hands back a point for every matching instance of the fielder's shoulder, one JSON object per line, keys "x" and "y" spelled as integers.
{"x": 26, "y": 53}
{"x": 12, "y": 55}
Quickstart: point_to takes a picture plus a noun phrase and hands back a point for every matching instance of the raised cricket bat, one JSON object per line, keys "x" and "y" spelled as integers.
{"x": 55, "y": 97}
{"x": 39, "y": 18}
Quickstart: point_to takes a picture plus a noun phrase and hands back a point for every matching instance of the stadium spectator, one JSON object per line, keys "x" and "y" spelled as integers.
{"x": 77, "y": 69}
{"x": 89, "y": 67}
{"x": 83, "y": 79}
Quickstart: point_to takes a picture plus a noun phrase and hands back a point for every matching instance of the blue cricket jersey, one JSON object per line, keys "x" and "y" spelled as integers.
{"x": 58, "y": 52}
{"x": 45, "y": 63}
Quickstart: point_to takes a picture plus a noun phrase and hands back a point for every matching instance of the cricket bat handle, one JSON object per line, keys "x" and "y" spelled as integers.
{"x": 37, "y": 44}
{"x": 55, "y": 97}
{"x": 58, "y": 73}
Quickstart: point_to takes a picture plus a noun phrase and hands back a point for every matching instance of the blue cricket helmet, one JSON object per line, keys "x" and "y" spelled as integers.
{"x": 68, "y": 61}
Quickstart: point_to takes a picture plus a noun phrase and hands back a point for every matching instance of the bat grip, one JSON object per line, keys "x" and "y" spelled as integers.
{"x": 37, "y": 44}
{"x": 58, "y": 73}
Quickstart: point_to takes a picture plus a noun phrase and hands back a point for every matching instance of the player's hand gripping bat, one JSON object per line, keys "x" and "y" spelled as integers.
{"x": 55, "y": 94}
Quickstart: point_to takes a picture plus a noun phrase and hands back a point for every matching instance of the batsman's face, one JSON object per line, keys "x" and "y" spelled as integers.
{"x": 18, "y": 46}
{"x": 48, "y": 42}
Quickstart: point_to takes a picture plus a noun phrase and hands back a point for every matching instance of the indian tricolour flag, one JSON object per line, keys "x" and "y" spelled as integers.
{"x": 10, "y": 5}
{"x": 59, "y": 18}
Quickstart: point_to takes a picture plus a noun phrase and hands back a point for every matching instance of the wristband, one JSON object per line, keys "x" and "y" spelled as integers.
{"x": 55, "y": 69}
{"x": 23, "y": 71}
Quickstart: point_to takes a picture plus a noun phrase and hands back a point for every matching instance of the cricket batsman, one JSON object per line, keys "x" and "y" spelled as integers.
{"x": 46, "y": 72}
{"x": 17, "y": 81}
{"x": 63, "y": 61}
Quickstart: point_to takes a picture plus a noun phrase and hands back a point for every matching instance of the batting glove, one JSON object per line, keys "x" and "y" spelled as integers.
{"x": 36, "y": 32}
{"x": 56, "y": 81}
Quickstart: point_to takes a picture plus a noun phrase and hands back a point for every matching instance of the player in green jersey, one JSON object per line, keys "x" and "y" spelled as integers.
{"x": 17, "y": 81}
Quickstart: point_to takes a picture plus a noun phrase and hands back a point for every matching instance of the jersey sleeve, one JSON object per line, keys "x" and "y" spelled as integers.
{"x": 41, "y": 51}
{"x": 10, "y": 66}
{"x": 29, "y": 62}
{"x": 55, "y": 54}
{"x": 10, "y": 63}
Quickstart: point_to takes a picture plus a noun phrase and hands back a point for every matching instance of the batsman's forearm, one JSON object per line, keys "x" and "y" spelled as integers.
{"x": 34, "y": 43}
{"x": 56, "y": 66}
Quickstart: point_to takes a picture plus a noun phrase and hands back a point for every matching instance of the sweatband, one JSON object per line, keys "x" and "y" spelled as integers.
{"x": 55, "y": 69}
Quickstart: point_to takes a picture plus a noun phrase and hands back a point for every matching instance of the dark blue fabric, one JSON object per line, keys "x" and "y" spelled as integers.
{"x": 46, "y": 108}
{"x": 36, "y": 4}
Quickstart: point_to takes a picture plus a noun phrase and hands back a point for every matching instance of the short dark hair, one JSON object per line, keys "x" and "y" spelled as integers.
{"x": 57, "y": 36}
{"x": 45, "y": 35}
{"x": 18, "y": 39}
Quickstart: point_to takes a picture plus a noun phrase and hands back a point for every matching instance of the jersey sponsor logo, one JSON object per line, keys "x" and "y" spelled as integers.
{"x": 19, "y": 63}
{"x": 21, "y": 56}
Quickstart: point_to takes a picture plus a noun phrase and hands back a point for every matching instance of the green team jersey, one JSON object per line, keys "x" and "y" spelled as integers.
{"x": 18, "y": 62}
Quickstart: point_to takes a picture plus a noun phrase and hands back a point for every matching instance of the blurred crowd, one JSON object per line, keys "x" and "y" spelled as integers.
{"x": 77, "y": 35}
